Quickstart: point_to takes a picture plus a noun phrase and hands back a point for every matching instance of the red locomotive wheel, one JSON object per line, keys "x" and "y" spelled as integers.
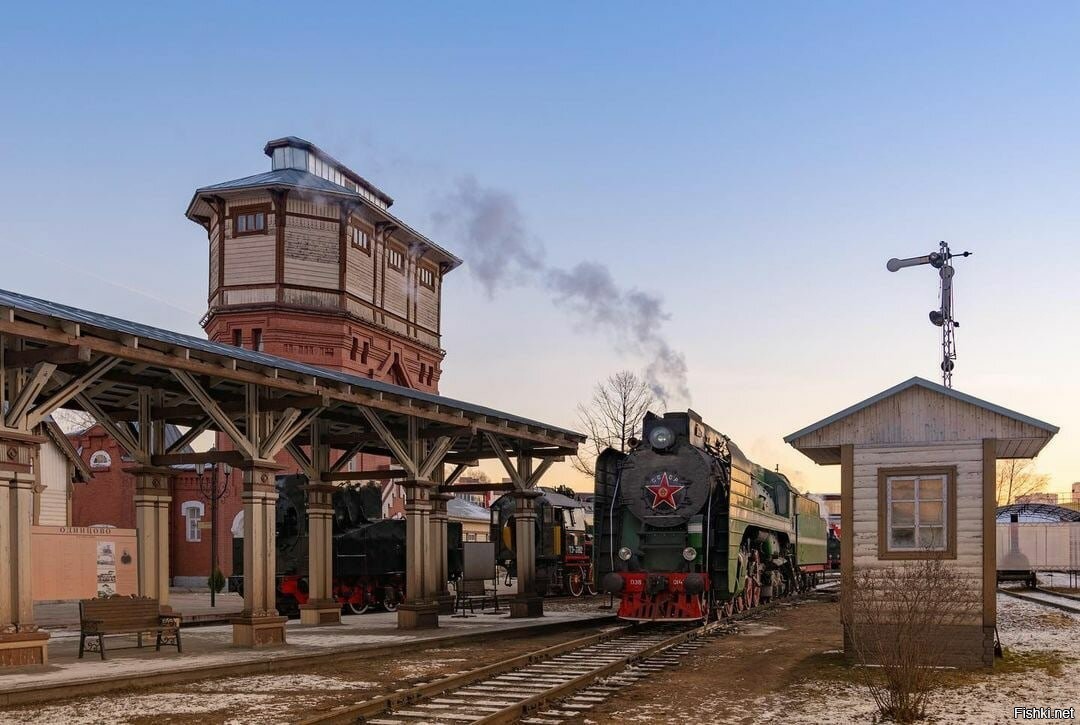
{"x": 729, "y": 608}
{"x": 740, "y": 603}
{"x": 754, "y": 592}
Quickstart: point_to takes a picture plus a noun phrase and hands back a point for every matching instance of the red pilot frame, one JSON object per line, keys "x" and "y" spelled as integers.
{"x": 647, "y": 597}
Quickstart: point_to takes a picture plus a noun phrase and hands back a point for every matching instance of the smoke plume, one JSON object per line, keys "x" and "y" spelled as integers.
{"x": 489, "y": 227}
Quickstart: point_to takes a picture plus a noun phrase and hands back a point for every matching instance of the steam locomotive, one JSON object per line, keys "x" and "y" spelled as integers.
{"x": 688, "y": 528}
{"x": 563, "y": 543}
{"x": 368, "y": 551}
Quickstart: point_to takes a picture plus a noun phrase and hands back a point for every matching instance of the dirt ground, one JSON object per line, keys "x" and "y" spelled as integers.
{"x": 786, "y": 666}
{"x": 287, "y": 697}
{"x": 715, "y": 683}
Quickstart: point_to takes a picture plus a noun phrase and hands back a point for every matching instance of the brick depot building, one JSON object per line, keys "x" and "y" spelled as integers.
{"x": 306, "y": 262}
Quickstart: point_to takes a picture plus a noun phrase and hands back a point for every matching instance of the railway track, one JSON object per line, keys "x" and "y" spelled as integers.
{"x": 544, "y": 687}
{"x": 1044, "y": 597}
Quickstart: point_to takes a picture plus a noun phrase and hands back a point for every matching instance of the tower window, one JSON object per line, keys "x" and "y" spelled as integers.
{"x": 249, "y": 220}
{"x": 395, "y": 259}
{"x": 361, "y": 240}
{"x": 355, "y": 348}
{"x": 256, "y": 340}
{"x": 238, "y": 337}
{"x": 427, "y": 278}
{"x": 364, "y": 354}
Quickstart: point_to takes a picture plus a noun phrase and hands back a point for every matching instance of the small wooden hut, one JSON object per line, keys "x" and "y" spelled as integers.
{"x": 918, "y": 467}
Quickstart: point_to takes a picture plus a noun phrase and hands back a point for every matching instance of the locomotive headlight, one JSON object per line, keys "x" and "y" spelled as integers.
{"x": 625, "y": 553}
{"x": 661, "y": 437}
{"x": 689, "y": 553}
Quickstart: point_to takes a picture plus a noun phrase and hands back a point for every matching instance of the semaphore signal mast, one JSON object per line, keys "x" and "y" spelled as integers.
{"x": 942, "y": 317}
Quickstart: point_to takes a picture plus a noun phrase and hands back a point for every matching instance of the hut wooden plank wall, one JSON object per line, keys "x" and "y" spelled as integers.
{"x": 919, "y": 430}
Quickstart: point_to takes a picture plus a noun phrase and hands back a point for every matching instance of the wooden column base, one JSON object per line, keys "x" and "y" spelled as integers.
{"x": 446, "y": 603}
{"x": 22, "y": 649}
{"x": 320, "y": 611}
{"x": 258, "y": 631}
{"x": 418, "y": 615}
{"x": 526, "y": 606}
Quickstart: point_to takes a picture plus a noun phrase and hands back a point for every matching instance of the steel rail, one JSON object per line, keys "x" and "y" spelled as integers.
{"x": 516, "y": 711}
{"x": 1066, "y": 606}
{"x": 386, "y": 703}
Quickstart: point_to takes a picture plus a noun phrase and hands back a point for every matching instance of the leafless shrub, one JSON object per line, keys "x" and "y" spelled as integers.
{"x": 899, "y": 623}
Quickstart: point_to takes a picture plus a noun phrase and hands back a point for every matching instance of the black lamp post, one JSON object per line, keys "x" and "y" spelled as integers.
{"x": 213, "y": 493}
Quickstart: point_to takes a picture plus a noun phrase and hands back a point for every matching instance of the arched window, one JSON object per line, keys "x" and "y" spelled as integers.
{"x": 238, "y": 525}
{"x": 192, "y": 511}
{"x": 100, "y": 460}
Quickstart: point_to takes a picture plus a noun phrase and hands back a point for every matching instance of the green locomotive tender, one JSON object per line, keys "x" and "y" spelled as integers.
{"x": 687, "y": 527}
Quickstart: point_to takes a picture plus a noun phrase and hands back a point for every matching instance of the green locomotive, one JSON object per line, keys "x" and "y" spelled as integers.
{"x": 686, "y": 527}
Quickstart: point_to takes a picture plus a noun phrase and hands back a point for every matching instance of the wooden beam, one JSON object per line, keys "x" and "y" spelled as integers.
{"x": 435, "y": 457}
{"x": 476, "y": 487}
{"x": 379, "y": 475}
{"x": 500, "y": 453}
{"x": 233, "y": 458}
{"x": 194, "y": 432}
{"x": 70, "y": 389}
{"x": 347, "y": 455}
{"x": 534, "y": 479}
{"x": 16, "y": 414}
{"x": 60, "y": 355}
{"x": 211, "y": 408}
{"x": 302, "y": 459}
{"x": 455, "y": 474}
{"x": 278, "y": 436}
{"x": 120, "y": 433}
{"x": 391, "y": 442}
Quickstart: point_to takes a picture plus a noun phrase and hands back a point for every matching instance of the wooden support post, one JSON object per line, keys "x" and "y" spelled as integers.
{"x": 152, "y": 530}
{"x": 21, "y": 643}
{"x": 321, "y": 608}
{"x": 259, "y": 624}
{"x": 527, "y": 603}
{"x": 420, "y": 610}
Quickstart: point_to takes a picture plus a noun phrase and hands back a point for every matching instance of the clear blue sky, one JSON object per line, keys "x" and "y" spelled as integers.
{"x": 755, "y": 164}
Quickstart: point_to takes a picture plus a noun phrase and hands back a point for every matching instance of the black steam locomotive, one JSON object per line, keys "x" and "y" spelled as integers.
{"x": 687, "y": 527}
{"x": 368, "y": 550}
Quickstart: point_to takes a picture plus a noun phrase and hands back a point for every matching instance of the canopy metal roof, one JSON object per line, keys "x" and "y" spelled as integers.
{"x": 79, "y": 339}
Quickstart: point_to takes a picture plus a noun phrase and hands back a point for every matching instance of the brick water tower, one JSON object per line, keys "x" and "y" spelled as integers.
{"x": 308, "y": 263}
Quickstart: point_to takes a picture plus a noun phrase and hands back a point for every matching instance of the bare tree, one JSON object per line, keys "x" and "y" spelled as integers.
{"x": 1017, "y": 477}
{"x": 73, "y": 421}
{"x": 612, "y": 416}
{"x": 897, "y": 624}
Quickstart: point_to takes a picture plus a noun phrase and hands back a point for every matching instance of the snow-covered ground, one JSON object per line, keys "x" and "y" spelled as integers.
{"x": 1023, "y": 628}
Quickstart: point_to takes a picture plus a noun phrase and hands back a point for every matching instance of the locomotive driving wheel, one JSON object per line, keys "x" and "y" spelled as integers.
{"x": 753, "y": 594}
{"x": 576, "y": 583}
{"x": 358, "y": 608}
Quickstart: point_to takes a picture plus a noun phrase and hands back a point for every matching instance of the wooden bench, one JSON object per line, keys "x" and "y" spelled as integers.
{"x": 471, "y": 592}
{"x": 99, "y": 618}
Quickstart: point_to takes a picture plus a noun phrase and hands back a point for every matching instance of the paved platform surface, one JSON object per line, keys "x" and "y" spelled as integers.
{"x": 208, "y": 652}
{"x": 195, "y": 606}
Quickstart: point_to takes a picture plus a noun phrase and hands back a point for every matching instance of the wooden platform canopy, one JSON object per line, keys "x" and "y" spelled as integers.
{"x": 134, "y": 379}
{"x": 123, "y": 372}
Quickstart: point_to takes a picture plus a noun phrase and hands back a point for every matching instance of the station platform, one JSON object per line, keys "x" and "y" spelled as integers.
{"x": 208, "y": 652}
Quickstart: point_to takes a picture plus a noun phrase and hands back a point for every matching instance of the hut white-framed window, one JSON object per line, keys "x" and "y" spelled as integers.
{"x": 192, "y": 511}
{"x": 100, "y": 460}
{"x": 917, "y": 513}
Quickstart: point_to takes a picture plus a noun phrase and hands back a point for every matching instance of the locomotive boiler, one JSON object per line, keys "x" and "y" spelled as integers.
{"x": 686, "y": 527}
{"x": 368, "y": 551}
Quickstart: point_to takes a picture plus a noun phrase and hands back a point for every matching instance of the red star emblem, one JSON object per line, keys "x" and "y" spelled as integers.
{"x": 664, "y": 492}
